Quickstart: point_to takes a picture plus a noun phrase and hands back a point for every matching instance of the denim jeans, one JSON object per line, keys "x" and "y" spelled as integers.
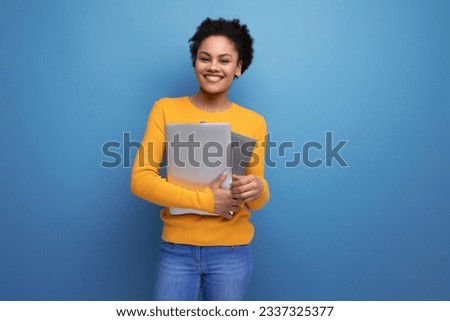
{"x": 214, "y": 273}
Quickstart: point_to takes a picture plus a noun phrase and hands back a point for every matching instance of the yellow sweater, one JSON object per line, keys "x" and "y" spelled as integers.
{"x": 147, "y": 183}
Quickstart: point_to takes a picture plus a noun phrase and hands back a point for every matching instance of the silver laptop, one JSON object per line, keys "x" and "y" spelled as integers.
{"x": 198, "y": 153}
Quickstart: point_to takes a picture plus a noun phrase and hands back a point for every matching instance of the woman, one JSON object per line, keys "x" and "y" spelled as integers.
{"x": 206, "y": 255}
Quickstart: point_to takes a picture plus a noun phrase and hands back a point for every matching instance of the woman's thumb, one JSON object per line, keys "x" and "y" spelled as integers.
{"x": 217, "y": 183}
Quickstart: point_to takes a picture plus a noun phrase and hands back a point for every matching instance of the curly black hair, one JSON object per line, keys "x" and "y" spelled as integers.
{"x": 233, "y": 30}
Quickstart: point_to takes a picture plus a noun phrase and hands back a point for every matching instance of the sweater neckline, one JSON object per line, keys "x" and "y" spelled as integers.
{"x": 191, "y": 104}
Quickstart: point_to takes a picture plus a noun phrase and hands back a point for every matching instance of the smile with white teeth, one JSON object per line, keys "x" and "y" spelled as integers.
{"x": 213, "y": 78}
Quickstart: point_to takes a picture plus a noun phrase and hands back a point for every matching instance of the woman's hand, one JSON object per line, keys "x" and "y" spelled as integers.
{"x": 246, "y": 188}
{"x": 224, "y": 203}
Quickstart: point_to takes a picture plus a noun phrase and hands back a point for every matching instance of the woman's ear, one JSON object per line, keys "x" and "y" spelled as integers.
{"x": 238, "y": 72}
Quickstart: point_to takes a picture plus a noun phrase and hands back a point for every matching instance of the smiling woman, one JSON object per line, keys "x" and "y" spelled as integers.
{"x": 206, "y": 255}
{"x": 216, "y": 66}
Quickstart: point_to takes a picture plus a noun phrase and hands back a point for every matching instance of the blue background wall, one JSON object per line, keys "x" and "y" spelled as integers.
{"x": 77, "y": 74}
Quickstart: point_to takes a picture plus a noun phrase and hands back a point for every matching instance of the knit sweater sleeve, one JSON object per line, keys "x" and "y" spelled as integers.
{"x": 256, "y": 168}
{"x": 146, "y": 180}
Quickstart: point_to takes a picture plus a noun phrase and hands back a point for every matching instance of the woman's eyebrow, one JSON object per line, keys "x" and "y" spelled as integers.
{"x": 208, "y": 54}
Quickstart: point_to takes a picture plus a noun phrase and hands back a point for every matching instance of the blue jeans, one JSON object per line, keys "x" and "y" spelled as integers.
{"x": 217, "y": 273}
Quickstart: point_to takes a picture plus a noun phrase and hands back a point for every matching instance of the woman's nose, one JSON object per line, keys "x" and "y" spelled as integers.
{"x": 214, "y": 65}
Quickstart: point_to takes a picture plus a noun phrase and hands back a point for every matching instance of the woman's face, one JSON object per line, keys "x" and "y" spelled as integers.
{"x": 216, "y": 64}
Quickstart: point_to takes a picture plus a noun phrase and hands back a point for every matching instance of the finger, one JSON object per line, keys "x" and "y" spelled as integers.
{"x": 241, "y": 189}
{"x": 237, "y": 196}
{"x": 253, "y": 196}
{"x": 228, "y": 216}
{"x": 217, "y": 183}
{"x": 235, "y": 200}
{"x": 250, "y": 199}
{"x": 241, "y": 180}
{"x": 249, "y": 196}
{"x": 234, "y": 210}
{"x": 235, "y": 190}
{"x": 236, "y": 203}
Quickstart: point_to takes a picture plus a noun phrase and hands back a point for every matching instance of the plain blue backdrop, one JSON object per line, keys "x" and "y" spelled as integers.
{"x": 77, "y": 74}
